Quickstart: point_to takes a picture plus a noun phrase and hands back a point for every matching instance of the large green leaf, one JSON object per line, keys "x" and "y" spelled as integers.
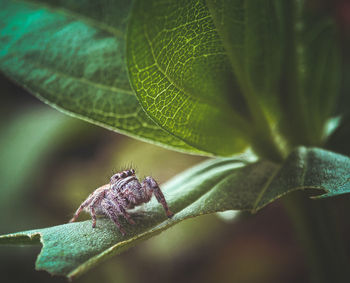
{"x": 71, "y": 56}
{"x": 215, "y": 185}
{"x": 182, "y": 76}
{"x": 210, "y": 71}
{"x": 209, "y": 67}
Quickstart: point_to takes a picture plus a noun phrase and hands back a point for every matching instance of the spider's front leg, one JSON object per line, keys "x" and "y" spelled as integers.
{"x": 110, "y": 211}
{"x": 90, "y": 202}
{"x": 118, "y": 206}
{"x": 149, "y": 184}
{"x": 81, "y": 207}
{"x": 96, "y": 200}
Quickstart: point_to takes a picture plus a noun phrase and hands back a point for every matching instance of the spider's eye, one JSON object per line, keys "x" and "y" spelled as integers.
{"x": 132, "y": 171}
{"x": 123, "y": 175}
{"x": 114, "y": 177}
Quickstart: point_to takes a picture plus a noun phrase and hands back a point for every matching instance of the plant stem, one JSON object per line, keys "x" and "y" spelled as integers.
{"x": 316, "y": 229}
{"x": 266, "y": 148}
{"x": 262, "y": 141}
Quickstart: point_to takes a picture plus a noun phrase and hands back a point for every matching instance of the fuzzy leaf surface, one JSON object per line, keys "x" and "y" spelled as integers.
{"x": 215, "y": 185}
{"x": 70, "y": 54}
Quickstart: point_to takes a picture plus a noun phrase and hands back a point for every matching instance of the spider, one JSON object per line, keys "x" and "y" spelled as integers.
{"x": 123, "y": 192}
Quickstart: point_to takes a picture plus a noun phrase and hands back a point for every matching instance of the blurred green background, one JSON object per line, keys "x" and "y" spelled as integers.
{"x": 50, "y": 162}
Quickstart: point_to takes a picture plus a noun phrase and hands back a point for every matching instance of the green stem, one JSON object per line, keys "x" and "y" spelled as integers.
{"x": 265, "y": 147}
{"x": 262, "y": 141}
{"x": 316, "y": 228}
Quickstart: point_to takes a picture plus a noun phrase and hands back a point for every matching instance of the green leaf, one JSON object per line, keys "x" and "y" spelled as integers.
{"x": 215, "y": 185}
{"x": 180, "y": 72}
{"x": 71, "y": 56}
{"x": 211, "y": 71}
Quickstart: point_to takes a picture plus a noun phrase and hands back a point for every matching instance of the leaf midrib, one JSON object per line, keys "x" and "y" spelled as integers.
{"x": 255, "y": 207}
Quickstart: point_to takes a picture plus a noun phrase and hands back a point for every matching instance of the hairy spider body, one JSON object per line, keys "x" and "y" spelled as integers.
{"x": 123, "y": 192}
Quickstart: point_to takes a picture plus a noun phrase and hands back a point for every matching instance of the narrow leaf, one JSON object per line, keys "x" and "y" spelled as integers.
{"x": 215, "y": 185}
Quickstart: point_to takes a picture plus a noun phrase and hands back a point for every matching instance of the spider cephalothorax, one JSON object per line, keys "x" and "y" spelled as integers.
{"x": 123, "y": 192}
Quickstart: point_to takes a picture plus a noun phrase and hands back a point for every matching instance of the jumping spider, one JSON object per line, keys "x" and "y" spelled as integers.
{"x": 123, "y": 192}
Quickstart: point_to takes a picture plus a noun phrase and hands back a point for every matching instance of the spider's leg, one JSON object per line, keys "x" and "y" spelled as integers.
{"x": 151, "y": 185}
{"x": 123, "y": 211}
{"x": 109, "y": 209}
{"x": 93, "y": 216}
{"x": 90, "y": 202}
{"x": 117, "y": 203}
{"x": 81, "y": 207}
{"x": 98, "y": 197}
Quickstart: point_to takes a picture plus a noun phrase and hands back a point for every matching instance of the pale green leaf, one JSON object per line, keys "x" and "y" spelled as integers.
{"x": 181, "y": 74}
{"x": 215, "y": 185}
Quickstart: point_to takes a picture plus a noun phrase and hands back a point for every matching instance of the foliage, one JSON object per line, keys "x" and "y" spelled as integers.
{"x": 216, "y": 185}
{"x": 73, "y": 59}
{"x": 204, "y": 77}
